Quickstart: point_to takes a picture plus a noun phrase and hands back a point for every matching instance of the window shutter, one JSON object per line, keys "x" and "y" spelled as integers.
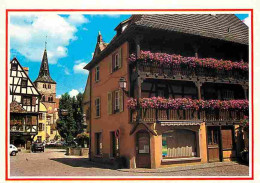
{"x": 113, "y": 102}
{"x": 120, "y": 57}
{"x": 121, "y": 101}
{"x": 109, "y": 103}
{"x": 110, "y": 64}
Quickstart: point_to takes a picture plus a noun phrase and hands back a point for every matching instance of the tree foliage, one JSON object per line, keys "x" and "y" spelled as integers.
{"x": 70, "y": 124}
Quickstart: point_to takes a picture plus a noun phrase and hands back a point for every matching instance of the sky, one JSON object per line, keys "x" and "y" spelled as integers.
{"x": 71, "y": 41}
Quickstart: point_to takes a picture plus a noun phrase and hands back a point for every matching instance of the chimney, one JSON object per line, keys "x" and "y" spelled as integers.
{"x": 26, "y": 69}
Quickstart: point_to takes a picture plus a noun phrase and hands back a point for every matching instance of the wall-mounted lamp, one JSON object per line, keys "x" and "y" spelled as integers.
{"x": 122, "y": 85}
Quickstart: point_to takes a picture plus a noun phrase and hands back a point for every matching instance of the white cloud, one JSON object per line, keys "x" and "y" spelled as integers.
{"x": 58, "y": 96}
{"x": 73, "y": 93}
{"x": 28, "y": 34}
{"x": 78, "y": 67}
{"x": 247, "y": 21}
{"x": 65, "y": 69}
{"x": 77, "y": 19}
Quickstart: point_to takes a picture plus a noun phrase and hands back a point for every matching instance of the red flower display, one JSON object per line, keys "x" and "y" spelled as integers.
{"x": 171, "y": 60}
{"x": 187, "y": 103}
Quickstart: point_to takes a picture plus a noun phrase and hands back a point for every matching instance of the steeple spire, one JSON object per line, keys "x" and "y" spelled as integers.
{"x": 44, "y": 74}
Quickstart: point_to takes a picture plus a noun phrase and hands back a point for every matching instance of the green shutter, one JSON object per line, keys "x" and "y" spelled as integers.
{"x": 110, "y": 64}
{"x": 109, "y": 103}
{"x": 121, "y": 101}
{"x": 120, "y": 57}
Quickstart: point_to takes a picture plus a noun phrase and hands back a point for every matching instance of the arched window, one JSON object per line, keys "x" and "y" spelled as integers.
{"x": 43, "y": 98}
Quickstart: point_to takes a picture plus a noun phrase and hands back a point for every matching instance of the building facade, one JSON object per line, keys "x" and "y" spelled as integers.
{"x": 186, "y": 92}
{"x": 47, "y": 87}
{"x": 24, "y": 106}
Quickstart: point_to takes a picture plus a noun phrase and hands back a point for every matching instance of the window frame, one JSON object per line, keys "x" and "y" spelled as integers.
{"x": 24, "y": 82}
{"x": 27, "y": 99}
{"x": 116, "y": 106}
{"x": 115, "y": 61}
{"x": 97, "y": 107}
{"x": 97, "y": 73}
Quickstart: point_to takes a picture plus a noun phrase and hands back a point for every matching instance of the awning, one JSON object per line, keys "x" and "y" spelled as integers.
{"x": 179, "y": 123}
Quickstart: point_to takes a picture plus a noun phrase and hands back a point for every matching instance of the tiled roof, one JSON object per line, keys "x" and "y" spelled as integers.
{"x": 225, "y": 27}
{"x": 44, "y": 74}
{"x": 219, "y": 26}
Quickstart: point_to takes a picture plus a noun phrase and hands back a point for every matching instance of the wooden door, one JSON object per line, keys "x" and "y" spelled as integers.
{"x": 213, "y": 134}
{"x": 143, "y": 158}
{"x": 228, "y": 150}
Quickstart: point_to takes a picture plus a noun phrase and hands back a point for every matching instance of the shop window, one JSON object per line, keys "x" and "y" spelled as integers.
{"x": 98, "y": 143}
{"x": 97, "y": 74}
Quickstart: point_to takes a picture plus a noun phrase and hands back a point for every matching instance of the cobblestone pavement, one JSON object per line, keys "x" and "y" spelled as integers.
{"x": 54, "y": 162}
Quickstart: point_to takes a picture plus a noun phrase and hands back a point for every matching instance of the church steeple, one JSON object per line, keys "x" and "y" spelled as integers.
{"x": 44, "y": 74}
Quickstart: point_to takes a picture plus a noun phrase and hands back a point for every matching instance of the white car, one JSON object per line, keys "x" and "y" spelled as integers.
{"x": 13, "y": 150}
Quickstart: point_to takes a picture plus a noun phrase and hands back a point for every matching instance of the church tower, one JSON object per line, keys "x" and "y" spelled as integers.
{"x": 47, "y": 87}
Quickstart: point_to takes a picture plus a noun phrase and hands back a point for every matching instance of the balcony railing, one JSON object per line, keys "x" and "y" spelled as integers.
{"x": 184, "y": 71}
{"x": 152, "y": 115}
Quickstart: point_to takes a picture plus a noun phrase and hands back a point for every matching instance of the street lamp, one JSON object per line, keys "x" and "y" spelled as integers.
{"x": 122, "y": 85}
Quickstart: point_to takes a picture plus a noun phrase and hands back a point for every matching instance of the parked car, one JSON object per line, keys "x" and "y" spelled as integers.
{"x": 37, "y": 147}
{"x": 13, "y": 150}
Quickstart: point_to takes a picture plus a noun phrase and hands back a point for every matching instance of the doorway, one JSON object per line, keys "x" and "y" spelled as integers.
{"x": 143, "y": 157}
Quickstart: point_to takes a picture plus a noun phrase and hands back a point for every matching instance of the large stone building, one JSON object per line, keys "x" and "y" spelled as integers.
{"x": 47, "y": 87}
{"x": 186, "y": 91}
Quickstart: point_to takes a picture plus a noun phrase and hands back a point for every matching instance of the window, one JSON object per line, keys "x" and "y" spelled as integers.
{"x": 115, "y": 61}
{"x": 115, "y": 102}
{"x": 227, "y": 94}
{"x": 24, "y": 82}
{"x": 34, "y": 101}
{"x": 14, "y": 66}
{"x": 43, "y": 98}
{"x": 44, "y": 85}
{"x": 213, "y": 136}
{"x": 39, "y": 139}
{"x": 97, "y": 105}
{"x": 116, "y": 107}
{"x": 40, "y": 127}
{"x": 97, "y": 74}
{"x": 51, "y": 131}
{"x": 98, "y": 143}
{"x": 40, "y": 116}
{"x": 26, "y": 100}
{"x": 49, "y": 86}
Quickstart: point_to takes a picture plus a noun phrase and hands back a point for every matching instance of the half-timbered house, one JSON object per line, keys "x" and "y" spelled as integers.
{"x": 185, "y": 94}
{"x": 24, "y": 106}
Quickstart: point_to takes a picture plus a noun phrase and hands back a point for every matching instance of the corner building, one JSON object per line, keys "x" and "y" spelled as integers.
{"x": 178, "y": 107}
